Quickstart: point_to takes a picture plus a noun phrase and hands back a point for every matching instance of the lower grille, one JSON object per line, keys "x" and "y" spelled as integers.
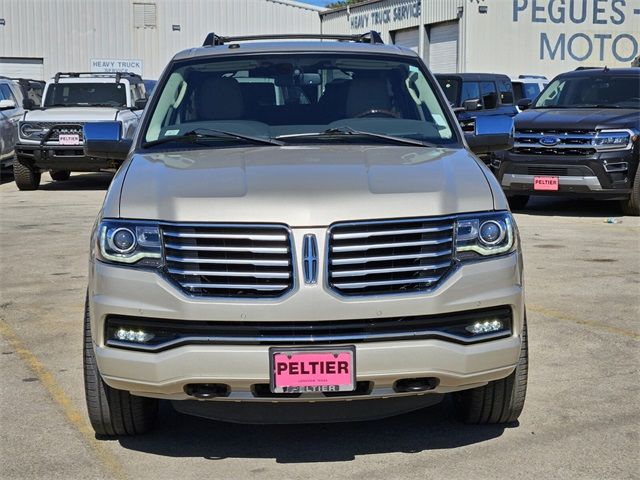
{"x": 174, "y": 333}
{"x": 396, "y": 256}
{"x": 554, "y": 151}
{"x": 229, "y": 260}
{"x": 555, "y": 171}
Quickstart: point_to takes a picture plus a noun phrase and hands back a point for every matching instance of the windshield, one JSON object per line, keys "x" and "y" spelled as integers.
{"x": 86, "y": 94}
{"x": 601, "y": 91}
{"x": 294, "y": 97}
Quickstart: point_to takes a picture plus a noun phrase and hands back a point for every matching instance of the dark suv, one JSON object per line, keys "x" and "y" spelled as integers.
{"x": 579, "y": 138}
{"x": 477, "y": 94}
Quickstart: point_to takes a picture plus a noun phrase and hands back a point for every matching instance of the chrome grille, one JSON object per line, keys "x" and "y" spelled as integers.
{"x": 395, "y": 256}
{"x": 234, "y": 260}
{"x": 569, "y": 142}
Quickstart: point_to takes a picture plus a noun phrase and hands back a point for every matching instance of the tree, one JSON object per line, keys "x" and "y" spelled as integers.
{"x": 343, "y": 3}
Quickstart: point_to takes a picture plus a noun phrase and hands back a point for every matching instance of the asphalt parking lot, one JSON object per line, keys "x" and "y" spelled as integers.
{"x": 581, "y": 419}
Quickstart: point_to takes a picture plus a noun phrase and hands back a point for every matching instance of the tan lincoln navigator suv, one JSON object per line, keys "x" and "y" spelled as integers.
{"x": 300, "y": 232}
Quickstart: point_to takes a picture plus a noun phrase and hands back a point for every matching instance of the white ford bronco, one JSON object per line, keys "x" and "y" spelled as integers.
{"x": 301, "y": 232}
{"x": 51, "y": 137}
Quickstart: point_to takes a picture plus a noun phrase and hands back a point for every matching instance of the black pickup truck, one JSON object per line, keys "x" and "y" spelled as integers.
{"x": 581, "y": 137}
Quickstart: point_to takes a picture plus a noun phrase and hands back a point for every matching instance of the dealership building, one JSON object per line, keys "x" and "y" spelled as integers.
{"x": 543, "y": 37}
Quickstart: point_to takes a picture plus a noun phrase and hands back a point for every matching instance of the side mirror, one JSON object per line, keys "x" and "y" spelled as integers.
{"x": 104, "y": 140}
{"x": 28, "y": 104}
{"x": 524, "y": 103}
{"x": 492, "y": 133}
{"x": 7, "y": 105}
{"x": 141, "y": 103}
{"x": 472, "y": 105}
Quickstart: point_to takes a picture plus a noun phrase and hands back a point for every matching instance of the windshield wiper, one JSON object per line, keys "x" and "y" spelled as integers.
{"x": 348, "y": 131}
{"x": 199, "y": 134}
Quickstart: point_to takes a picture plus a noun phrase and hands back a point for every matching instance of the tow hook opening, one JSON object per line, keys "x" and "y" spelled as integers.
{"x": 205, "y": 391}
{"x": 408, "y": 385}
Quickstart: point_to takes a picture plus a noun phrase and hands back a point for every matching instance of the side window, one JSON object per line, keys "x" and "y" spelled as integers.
{"x": 531, "y": 90}
{"x": 470, "y": 91}
{"x": 489, "y": 95}
{"x": 6, "y": 93}
{"x": 518, "y": 91}
{"x": 506, "y": 93}
{"x": 134, "y": 93}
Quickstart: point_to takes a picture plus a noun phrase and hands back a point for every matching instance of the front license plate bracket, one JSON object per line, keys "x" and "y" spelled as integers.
{"x": 307, "y": 370}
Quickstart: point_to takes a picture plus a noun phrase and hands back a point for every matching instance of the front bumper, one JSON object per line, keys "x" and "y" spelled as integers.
{"x": 602, "y": 175}
{"x": 123, "y": 291}
{"x": 61, "y": 157}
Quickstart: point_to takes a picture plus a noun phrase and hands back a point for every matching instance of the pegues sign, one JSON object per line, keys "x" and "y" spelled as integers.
{"x": 591, "y": 15}
{"x": 386, "y": 15}
{"x": 116, "y": 65}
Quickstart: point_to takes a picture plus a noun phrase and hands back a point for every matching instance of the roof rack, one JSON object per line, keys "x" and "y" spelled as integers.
{"x": 541, "y": 77}
{"x": 116, "y": 75}
{"x": 214, "y": 40}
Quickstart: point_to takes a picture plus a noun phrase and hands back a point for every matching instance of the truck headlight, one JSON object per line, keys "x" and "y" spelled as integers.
{"x": 129, "y": 242}
{"x": 613, "y": 140}
{"x": 486, "y": 234}
{"x": 32, "y": 131}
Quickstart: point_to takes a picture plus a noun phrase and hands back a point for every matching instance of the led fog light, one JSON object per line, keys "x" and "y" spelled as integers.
{"x": 138, "y": 336}
{"x": 488, "y": 326}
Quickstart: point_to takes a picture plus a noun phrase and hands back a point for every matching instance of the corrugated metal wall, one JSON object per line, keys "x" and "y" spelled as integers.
{"x": 68, "y": 33}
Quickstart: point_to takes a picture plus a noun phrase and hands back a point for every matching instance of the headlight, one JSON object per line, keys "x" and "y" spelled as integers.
{"x": 32, "y": 131}
{"x": 613, "y": 140}
{"x": 485, "y": 234}
{"x": 129, "y": 242}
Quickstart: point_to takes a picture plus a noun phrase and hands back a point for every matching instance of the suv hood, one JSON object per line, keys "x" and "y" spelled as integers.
{"x": 577, "y": 118}
{"x": 73, "y": 114}
{"x": 301, "y": 185}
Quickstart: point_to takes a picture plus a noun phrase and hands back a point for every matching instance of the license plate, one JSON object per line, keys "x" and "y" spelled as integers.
{"x": 69, "y": 139}
{"x": 313, "y": 370}
{"x": 545, "y": 183}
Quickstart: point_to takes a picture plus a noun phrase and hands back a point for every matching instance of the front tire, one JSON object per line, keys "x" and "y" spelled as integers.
{"x": 631, "y": 206}
{"x": 60, "y": 175}
{"x": 112, "y": 412}
{"x": 500, "y": 401}
{"x": 518, "y": 202}
{"x": 26, "y": 177}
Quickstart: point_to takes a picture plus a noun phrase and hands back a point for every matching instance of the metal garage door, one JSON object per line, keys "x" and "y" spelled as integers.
{"x": 443, "y": 47}
{"x": 409, "y": 38}
{"x": 22, "y": 67}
